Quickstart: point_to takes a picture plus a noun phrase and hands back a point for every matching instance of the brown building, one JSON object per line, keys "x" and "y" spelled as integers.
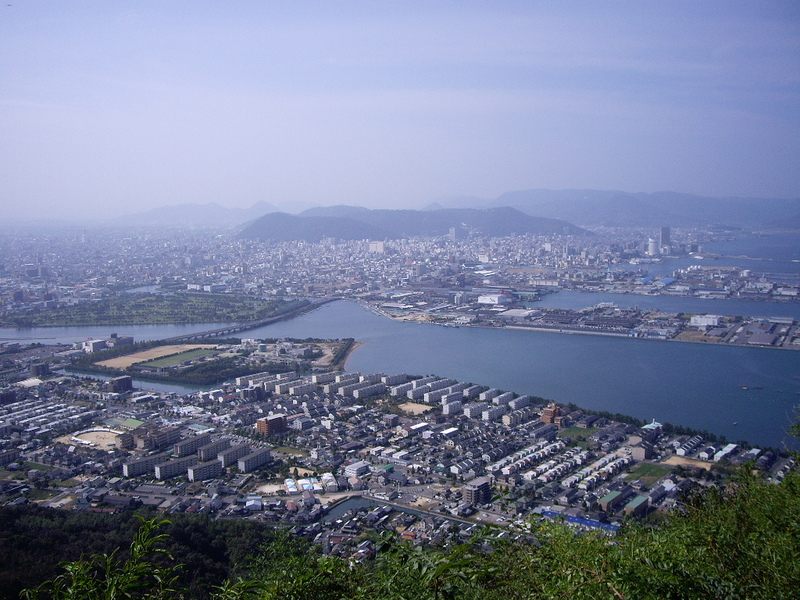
{"x": 271, "y": 425}
{"x": 121, "y": 384}
{"x": 552, "y": 415}
{"x": 152, "y": 437}
{"x": 40, "y": 370}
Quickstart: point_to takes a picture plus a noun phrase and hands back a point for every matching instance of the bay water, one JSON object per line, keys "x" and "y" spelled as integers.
{"x": 695, "y": 385}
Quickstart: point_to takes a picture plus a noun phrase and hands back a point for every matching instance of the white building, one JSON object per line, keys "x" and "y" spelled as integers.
{"x": 704, "y": 321}
{"x": 494, "y": 299}
{"x": 357, "y": 469}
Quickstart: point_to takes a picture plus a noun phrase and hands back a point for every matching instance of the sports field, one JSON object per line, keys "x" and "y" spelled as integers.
{"x": 95, "y": 438}
{"x": 170, "y": 361}
{"x": 415, "y": 408}
{"x": 123, "y": 362}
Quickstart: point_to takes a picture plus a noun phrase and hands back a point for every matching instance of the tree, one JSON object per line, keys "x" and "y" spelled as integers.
{"x": 107, "y": 577}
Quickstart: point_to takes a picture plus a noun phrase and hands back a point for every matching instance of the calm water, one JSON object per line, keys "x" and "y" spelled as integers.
{"x": 689, "y": 384}
{"x": 775, "y": 254}
{"x": 781, "y": 248}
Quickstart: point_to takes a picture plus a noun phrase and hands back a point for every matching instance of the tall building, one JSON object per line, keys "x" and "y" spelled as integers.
{"x": 478, "y": 491}
{"x": 121, "y": 384}
{"x": 271, "y": 425}
{"x": 232, "y": 455}
{"x": 664, "y": 238}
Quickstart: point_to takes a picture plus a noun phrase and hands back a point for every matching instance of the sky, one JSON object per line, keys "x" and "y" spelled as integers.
{"x": 112, "y": 108}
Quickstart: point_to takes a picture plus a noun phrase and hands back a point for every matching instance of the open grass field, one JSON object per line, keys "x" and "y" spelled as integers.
{"x": 288, "y": 450}
{"x": 67, "y": 482}
{"x": 648, "y": 473}
{"x": 38, "y": 466}
{"x": 171, "y": 361}
{"x": 123, "y": 362}
{"x": 580, "y": 433}
{"x": 692, "y": 335}
{"x": 40, "y": 495}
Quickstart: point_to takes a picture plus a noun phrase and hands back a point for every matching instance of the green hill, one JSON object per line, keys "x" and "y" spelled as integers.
{"x": 740, "y": 541}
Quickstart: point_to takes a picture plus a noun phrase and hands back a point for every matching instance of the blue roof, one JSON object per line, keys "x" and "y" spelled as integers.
{"x": 613, "y": 527}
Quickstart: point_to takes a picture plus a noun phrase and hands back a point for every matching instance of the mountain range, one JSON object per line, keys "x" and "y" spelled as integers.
{"x": 611, "y": 208}
{"x": 353, "y": 222}
{"x": 581, "y": 207}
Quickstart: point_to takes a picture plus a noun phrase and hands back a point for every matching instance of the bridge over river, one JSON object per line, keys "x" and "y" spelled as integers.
{"x": 231, "y": 329}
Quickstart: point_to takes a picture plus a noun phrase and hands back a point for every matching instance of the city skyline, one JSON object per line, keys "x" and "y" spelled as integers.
{"x": 117, "y": 109}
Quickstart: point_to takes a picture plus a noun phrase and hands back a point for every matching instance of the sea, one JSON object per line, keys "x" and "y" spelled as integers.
{"x": 744, "y": 394}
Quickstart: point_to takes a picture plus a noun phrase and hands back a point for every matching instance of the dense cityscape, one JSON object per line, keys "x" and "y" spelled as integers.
{"x": 291, "y": 438}
{"x": 381, "y": 301}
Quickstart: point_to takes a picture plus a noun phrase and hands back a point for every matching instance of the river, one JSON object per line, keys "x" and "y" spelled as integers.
{"x": 695, "y": 385}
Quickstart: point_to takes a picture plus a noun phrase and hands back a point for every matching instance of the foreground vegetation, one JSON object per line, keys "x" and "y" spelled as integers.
{"x": 151, "y": 309}
{"x": 742, "y": 541}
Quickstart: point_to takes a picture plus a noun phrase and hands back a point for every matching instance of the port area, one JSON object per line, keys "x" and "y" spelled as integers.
{"x": 605, "y": 319}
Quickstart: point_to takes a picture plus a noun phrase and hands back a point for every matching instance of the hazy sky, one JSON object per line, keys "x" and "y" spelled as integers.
{"x": 115, "y": 107}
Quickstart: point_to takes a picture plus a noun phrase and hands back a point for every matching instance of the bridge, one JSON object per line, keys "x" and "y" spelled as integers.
{"x": 231, "y": 329}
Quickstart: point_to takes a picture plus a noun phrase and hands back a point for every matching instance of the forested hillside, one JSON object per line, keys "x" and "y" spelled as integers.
{"x": 742, "y": 541}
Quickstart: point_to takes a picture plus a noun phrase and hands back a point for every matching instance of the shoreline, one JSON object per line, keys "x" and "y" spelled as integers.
{"x": 312, "y": 305}
{"x": 413, "y": 318}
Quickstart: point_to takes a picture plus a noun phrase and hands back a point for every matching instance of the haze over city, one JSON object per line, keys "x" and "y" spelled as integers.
{"x": 116, "y": 108}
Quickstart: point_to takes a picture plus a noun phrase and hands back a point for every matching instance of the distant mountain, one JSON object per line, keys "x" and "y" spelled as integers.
{"x": 458, "y": 202}
{"x": 353, "y": 222}
{"x": 583, "y": 208}
{"x": 590, "y": 208}
{"x": 337, "y": 210}
{"x": 788, "y": 222}
{"x": 196, "y": 215}
{"x": 283, "y": 227}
